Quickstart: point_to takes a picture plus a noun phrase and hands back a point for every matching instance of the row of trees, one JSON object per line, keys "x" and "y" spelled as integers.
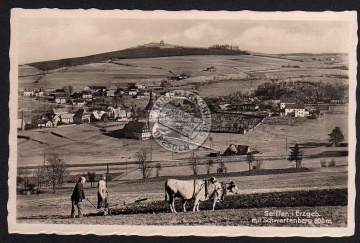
{"x": 195, "y": 162}
{"x": 143, "y": 157}
{"x": 224, "y": 47}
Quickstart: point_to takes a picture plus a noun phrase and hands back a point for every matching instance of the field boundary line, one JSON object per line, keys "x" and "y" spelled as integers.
{"x": 290, "y": 189}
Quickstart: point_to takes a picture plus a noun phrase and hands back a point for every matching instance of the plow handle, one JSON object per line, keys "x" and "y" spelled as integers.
{"x": 90, "y": 202}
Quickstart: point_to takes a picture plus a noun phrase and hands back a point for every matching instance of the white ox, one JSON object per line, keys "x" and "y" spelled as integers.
{"x": 196, "y": 189}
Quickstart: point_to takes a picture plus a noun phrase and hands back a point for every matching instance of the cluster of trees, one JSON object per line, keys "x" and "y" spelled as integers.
{"x": 238, "y": 96}
{"x": 195, "y": 162}
{"x": 302, "y": 90}
{"x": 224, "y": 47}
{"x": 69, "y": 90}
{"x": 52, "y": 173}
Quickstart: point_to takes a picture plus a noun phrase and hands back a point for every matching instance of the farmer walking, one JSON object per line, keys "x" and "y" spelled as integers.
{"x": 77, "y": 197}
{"x": 102, "y": 194}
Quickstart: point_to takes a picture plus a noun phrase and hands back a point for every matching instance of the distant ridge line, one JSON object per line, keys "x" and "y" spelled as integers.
{"x": 133, "y": 53}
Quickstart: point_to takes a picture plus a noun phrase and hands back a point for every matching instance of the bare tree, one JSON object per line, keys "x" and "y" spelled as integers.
{"x": 71, "y": 89}
{"x": 258, "y": 164}
{"x": 91, "y": 176}
{"x": 193, "y": 164}
{"x": 40, "y": 176}
{"x": 56, "y": 171}
{"x": 211, "y": 141}
{"x": 209, "y": 165}
{"x": 250, "y": 159}
{"x": 143, "y": 157}
{"x": 23, "y": 177}
{"x": 109, "y": 176}
{"x": 222, "y": 167}
{"x": 158, "y": 169}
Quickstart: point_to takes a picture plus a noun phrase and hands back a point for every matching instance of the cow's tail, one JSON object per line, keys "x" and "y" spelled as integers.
{"x": 166, "y": 193}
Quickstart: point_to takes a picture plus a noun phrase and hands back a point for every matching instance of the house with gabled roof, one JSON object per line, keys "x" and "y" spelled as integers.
{"x": 297, "y": 109}
{"x": 28, "y": 93}
{"x": 41, "y": 121}
{"x": 59, "y": 111}
{"x": 140, "y": 86}
{"x": 237, "y": 149}
{"x": 97, "y": 89}
{"x": 54, "y": 118}
{"x": 133, "y": 92}
{"x": 137, "y": 130}
{"x": 78, "y": 102}
{"x": 287, "y": 101}
{"x": 81, "y": 116}
{"x": 59, "y": 99}
{"x": 67, "y": 118}
{"x": 98, "y": 115}
{"x": 111, "y": 92}
{"x": 87, "y": 96}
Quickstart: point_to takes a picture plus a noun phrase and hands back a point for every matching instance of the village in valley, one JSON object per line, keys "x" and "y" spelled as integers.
{"x": 93, "y": 116}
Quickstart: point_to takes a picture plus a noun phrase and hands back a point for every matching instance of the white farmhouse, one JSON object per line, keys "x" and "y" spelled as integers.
{"x": 297, "y": 109}
{"x": 28, "y": 93}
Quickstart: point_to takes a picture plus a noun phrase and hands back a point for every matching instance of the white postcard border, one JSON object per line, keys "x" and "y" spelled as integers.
{"x": 231, "y": 231}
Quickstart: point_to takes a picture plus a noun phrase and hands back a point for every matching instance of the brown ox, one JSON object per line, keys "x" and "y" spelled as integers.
{"x": 200, "y": 190}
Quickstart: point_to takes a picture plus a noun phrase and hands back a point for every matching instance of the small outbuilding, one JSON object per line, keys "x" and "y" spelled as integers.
{"x": 237, "y": 149}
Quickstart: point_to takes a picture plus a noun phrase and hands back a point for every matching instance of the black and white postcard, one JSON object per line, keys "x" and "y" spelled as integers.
{"x": 182, "y": 123}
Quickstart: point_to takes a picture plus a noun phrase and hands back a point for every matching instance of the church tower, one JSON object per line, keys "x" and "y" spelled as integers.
{"x": 150, "y": 105}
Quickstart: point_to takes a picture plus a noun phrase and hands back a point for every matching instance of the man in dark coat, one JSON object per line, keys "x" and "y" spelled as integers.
{"x": 77, "y": 197}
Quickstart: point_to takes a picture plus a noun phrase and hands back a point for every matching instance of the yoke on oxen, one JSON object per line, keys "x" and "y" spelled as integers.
{"x": 200, "y": 190}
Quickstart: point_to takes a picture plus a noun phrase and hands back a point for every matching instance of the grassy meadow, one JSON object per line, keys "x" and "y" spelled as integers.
{"x": 153, "y": 70}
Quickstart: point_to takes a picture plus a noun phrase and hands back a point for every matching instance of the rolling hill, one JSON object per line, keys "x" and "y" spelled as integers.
{"x": 150, "y": 50}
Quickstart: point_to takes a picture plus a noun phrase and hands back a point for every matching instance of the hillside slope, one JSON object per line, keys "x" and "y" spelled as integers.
{"x": 144, "y": 51}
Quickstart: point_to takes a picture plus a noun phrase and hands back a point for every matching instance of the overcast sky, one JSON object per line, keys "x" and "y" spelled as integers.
{"x": 49, "y": 39}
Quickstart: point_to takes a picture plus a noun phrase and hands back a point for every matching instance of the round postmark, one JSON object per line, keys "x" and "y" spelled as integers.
{"x": 180, "y": 121}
